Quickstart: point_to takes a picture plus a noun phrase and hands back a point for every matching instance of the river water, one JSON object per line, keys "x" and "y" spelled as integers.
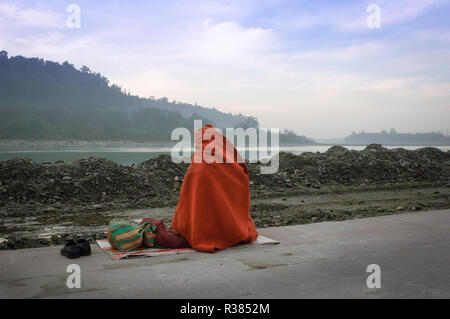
{"x": 130, "y": 155}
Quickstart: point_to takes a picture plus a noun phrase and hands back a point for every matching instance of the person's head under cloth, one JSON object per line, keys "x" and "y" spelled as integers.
{"x": 213, "y": 207}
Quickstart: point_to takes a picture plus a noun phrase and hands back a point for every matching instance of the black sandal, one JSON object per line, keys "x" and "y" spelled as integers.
{"x": 85, "y": 247}
{"x": 71, "y": 250}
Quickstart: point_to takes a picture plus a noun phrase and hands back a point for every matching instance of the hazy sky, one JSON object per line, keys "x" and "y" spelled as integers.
{"x": 313, "y": 66}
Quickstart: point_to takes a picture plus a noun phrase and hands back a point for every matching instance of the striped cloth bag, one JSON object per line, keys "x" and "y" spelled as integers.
{"x": 125, "y": 237}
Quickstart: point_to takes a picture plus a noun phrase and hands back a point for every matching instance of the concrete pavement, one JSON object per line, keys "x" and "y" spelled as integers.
{"x": 326, "y": 260}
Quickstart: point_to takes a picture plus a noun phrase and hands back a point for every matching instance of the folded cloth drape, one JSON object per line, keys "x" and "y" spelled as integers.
{"x": 165, "y": 237}
{"x": 214, "y": 203}
{"x": 125, "y": 237}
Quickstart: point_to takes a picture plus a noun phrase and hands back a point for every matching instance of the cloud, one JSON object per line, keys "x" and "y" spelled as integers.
{"x": 342, "y": 16}
{"x": 394, "y": 12}
{"x": 229, "y": 41}
{"x": 11, "y": 15}
{"x": 436, "y": 90}
{"x": 349, "y": 53}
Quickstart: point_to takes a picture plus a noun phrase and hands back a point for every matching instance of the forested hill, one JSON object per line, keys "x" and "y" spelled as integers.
{"x": 47, "y": 100}
{"x": 394, "y": 138}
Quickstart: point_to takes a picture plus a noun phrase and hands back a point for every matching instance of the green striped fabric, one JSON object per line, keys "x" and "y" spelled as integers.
{"x": 125, "y": 237}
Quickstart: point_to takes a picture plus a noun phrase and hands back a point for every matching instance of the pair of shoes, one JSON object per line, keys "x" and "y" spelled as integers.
{"x": 76, "y": 249}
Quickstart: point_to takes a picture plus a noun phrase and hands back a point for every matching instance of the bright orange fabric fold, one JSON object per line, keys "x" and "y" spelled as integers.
{"x": 214, "y": 203}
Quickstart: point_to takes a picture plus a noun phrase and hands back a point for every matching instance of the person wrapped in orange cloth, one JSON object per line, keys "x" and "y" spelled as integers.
{"x": 214, "y": 203}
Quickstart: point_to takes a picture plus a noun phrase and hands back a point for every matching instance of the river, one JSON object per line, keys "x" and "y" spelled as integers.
{"x": 130, "y": 155}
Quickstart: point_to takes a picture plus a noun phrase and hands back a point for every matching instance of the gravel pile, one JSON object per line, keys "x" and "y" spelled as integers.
{"x": 89, "y": 181}
{"x": 373, "y": 165}
{"x": 97, "y": 181}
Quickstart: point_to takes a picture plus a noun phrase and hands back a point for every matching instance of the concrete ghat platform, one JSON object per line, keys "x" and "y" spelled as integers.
{"x": 323, "y": 260}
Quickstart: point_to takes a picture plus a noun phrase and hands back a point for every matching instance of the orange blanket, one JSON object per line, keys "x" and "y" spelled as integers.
{"x": 213, "y": 207}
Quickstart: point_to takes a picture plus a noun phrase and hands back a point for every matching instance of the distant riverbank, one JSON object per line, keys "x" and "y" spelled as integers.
{"x": 8, "y": 143}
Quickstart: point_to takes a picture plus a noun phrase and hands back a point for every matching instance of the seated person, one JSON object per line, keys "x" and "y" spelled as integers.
{"x": 214, "y": 203}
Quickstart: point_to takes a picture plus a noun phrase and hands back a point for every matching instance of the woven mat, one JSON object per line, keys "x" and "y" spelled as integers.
{"x": 152, "y": 252}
